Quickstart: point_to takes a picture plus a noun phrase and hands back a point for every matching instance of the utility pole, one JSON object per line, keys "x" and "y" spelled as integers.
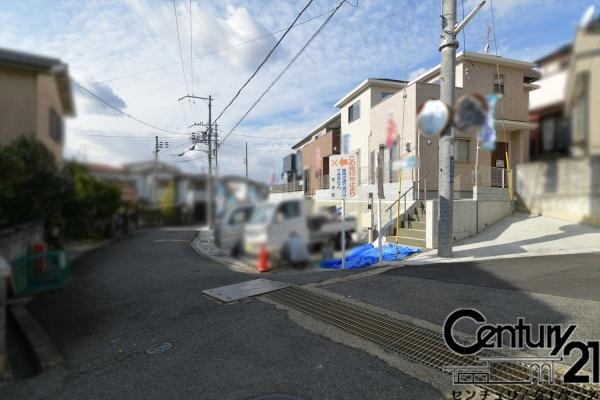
{"x": 155, "y": 182}
{"x": 448, "y": 46}
{"x": 216, "y": 139}
{"x": 157, "y": 147}
{"x": 447, "y": 49}
{"x": 246, "y": 160}
{"x": 209, "y": 184}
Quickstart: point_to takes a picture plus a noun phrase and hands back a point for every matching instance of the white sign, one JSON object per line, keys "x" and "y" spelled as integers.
{"x": 343, "y": 176}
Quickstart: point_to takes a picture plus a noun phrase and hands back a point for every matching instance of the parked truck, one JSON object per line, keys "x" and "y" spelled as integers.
{"x": 273, "y": 223}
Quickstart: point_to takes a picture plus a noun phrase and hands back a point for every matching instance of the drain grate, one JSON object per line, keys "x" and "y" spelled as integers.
{"x": 418, "y": 344}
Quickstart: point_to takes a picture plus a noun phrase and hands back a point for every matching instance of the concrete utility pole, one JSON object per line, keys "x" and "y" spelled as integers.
{"x": 448, "y": 47}
{"x": 209, "y": 183}
{"x": 155, "y": 171}
{"x": 246, "y": 160}
{"x": 209, "y": 180}
{"x": 216, "y": 139}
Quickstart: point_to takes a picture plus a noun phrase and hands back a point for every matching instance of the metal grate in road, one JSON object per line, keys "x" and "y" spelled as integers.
{"x": 419, "y": 344}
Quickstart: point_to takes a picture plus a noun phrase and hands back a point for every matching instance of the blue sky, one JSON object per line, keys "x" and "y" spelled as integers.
{"x": 104, "y": 40}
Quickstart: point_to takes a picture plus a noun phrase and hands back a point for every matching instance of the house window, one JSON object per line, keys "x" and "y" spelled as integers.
{"x": 385, "y": 95}
{"x": 56, "y": 126}
{"x": 461, "y": 149}
{"x": 354, "y": 112}
{"x": 499, "y": 83}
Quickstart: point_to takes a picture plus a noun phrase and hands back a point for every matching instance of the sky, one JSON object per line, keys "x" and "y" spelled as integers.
{"x": 130, "y": 54}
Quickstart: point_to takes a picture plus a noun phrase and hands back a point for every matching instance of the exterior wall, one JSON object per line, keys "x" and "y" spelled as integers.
{"x": 47, "y": 99}
{"x": 359, "y": 131}
{"x": 586, "y": 61}
{"x": 567, "y": 189}
{"x": 480, "y": 79}
{"x": 325, "y": 143}
{"x": 18, "y": 104}
{"x": 26, "y": 98}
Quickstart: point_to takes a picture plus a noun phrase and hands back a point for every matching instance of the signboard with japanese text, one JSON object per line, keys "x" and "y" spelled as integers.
{"x": 343, "y": 176}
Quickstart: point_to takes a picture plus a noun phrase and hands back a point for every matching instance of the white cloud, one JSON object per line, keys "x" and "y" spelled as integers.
{"x": 104, "y": 40}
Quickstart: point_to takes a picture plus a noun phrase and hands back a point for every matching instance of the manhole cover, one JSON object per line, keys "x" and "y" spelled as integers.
{"x": 159, "y": 348}
{"x": 277, "y": 397}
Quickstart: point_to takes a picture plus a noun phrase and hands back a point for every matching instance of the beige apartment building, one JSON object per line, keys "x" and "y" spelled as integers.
{"x": 475, "y": 73}
{"x": 35, "y": 96}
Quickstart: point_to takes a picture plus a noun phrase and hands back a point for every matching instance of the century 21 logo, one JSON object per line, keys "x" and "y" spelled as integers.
{"x": 521, "y": 336}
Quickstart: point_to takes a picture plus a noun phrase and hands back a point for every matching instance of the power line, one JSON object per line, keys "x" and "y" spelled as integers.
{"x": 120, "y": 111}
{"x": 317, "y": 32}
{"x": 264, "y": 61}
{"x": 216, "y": 51}
{"x": 131, "y": 137}
{"x": 180, "y": 51}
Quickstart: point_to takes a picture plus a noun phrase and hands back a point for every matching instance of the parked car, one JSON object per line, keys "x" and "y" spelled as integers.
{"x": 229, "y": 232}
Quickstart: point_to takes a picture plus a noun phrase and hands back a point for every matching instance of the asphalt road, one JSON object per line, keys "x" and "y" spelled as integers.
{"x": 552, "y": 289}
{"x": 146, "y": 289}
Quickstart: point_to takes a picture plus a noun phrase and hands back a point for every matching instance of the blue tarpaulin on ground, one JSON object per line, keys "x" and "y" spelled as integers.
{"x": 366, "y": 255}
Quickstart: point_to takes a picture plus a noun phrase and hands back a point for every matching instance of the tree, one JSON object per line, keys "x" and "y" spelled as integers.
{"x": 89, "y": 204}
{"x": 30, "y": 186}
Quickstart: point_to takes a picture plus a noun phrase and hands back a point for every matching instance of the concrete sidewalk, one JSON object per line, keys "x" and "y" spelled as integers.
{"x": 520, "y": 235}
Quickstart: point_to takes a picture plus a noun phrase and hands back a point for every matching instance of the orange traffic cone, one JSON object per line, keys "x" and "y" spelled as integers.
{"x": 263, "y": 259}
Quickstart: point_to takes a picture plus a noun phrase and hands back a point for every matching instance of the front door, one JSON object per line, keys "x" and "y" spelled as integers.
{"x": 498, "y": 158}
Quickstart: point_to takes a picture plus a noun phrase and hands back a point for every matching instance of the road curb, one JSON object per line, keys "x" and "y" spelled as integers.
{"x": 46, "y": 354}
{"x": 238, "y": 267}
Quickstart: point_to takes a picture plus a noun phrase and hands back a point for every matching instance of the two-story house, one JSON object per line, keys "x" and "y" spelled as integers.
{"x": 313, "y": 153}
{"x": 356, "y": 118}
{"x": 35, "y": 96}
{"x": 475, "y": 73}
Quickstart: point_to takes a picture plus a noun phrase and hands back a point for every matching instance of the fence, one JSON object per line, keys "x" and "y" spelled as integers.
{"x": 39, "y": 272}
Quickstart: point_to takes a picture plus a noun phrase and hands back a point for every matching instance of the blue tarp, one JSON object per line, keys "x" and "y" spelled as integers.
{"x": 366, "y": 255}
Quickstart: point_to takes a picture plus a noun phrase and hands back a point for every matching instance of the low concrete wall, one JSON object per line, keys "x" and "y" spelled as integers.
{"x": 4, "y": 277}
{"x": 17, "y": 241}
{"x": 490, "y": 193}
{"x": 469, "y": 217}
{"x": 567, "y": 189}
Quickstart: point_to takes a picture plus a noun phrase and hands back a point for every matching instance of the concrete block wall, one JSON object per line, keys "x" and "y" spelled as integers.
{"x": 567, "y": 189}
{"x": 17, "y": 241}
{"x": 470, "y": 216}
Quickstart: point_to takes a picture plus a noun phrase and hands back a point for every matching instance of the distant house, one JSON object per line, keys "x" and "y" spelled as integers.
{"x": 116, "y": 176}
{"x": 582, "y": 96}
{"x": 35, "y": 96}
{"x": 312, "y": 154}
{"x": 552, "y": 136}
{"x": 146, "y": 183}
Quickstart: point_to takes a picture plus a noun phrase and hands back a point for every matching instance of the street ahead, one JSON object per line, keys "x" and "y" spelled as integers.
{"x": 146, "y": 289}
